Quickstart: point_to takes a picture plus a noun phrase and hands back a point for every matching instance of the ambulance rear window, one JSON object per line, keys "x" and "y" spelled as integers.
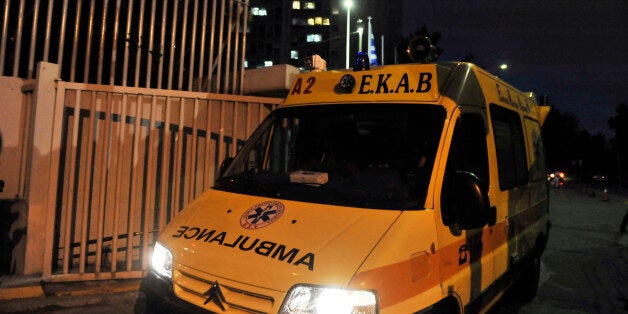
{"x": 373, "y": 156}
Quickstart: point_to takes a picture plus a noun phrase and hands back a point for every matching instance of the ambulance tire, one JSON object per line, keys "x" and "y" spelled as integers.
{"x": 528, "y": 283}
{"x": 447, "y": 305}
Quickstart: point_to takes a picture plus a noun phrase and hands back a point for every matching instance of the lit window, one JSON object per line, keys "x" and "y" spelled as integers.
{"x": 268, "y": 63}
{"x": 314, "y": 38}
{"x": 310, "y": 21}
{"x": 294, "y": 54}
{"x": 309, "y": 5}
{"x": 318, "y": 20}
{"x": 258, "y": 11}
{"x": 335, "y": 11}
{"x": 296, "y": 5}
{"x": 326, "y": 21}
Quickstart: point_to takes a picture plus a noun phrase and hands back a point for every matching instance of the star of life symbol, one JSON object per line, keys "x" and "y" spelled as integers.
{"x": 261, "y": 215}
{"x": 214, "y": 294}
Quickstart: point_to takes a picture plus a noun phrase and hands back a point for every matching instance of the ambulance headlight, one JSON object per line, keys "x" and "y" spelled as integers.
{"x": 315, "y": 299}
{"x": 161, "y": 261}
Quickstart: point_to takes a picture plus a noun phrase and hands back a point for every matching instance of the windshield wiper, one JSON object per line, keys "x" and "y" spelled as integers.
{"x": 246, "y": 181}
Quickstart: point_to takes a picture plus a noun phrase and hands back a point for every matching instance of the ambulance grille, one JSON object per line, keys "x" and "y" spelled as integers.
{"x": 193, "y": 288}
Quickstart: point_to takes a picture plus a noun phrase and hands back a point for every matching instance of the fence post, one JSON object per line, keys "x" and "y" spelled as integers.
{"x": 39, "y": 193}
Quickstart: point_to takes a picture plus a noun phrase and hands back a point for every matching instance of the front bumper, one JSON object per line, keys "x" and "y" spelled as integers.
{"x": 160, "y": 297}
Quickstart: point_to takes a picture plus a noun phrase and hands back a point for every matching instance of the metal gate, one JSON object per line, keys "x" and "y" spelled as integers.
{"x": 130, "y": 159}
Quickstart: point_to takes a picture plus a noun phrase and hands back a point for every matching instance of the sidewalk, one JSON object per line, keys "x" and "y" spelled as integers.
{"x": 29, "y": 294}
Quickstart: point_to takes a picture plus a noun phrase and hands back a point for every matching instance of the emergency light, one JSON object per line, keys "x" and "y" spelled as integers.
{"x": 361, "y": 62}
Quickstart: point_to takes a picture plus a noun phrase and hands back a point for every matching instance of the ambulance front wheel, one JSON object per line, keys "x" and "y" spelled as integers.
{"x": 528, "y": 283}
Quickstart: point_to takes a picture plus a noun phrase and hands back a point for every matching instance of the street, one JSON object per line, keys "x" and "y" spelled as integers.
{"x": 585, "y": 265}
{"x": 584, "y": 268}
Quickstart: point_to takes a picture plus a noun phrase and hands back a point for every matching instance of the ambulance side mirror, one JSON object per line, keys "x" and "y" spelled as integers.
{"x": 465, "y": 203}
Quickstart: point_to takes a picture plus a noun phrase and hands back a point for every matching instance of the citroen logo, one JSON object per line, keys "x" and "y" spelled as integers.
{"x": 214, "y": 294}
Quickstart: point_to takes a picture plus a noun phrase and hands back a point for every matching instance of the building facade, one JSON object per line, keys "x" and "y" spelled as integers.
{"x": 288, "y": 31}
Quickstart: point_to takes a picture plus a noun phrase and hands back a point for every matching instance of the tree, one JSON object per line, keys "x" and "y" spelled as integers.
{"x": 571, "y": 149}
{"x": 619, "y": 123}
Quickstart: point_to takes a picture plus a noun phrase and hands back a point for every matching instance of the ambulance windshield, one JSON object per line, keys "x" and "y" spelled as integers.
{"x": 372, "y": 156}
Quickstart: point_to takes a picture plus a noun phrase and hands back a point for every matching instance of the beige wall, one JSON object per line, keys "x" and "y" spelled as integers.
{"x": 12, "y": 111}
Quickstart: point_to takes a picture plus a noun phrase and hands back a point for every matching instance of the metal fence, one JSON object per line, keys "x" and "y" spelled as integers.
{"x": 192, "y": 45}
{"x": 129, "y": 160}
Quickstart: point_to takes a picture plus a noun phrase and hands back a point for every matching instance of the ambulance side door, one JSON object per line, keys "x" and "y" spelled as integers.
{"x": 468, "y": 161}
{"x": 509, "y": 190}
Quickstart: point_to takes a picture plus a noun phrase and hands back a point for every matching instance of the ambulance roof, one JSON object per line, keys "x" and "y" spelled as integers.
{"x": 464, "y": 83}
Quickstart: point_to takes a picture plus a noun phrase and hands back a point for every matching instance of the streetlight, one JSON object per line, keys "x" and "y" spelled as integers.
{"x": 360, "y": 31}
{"x": 348, "y": 4}
{"x": 503, "y": 66}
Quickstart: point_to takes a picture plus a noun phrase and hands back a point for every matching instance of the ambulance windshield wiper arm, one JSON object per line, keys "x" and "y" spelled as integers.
{"x": 247, "y": 180}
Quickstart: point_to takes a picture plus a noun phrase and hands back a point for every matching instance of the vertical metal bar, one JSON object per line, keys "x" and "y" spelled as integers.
{"x": 193, "y": 156}
{"x": 247, "y": 128}
{"x": 18, "y": 40}
{"x": 101, "y": 49}
{"x": 64, "y": 18}
{"x": 183, "y": 37}
{"x": 234, "y": 136}
{"x": 31, "y": 51}
{"x": 244, "y": 32}
{"x": 87, "y": 188}
{"x": 26, "y": 135}
{"x": 56, "y": 141}
{"x": 134, "y": 178}
{"x": 219, "y": 62}
{"x": 140, "y": 44}
{"x": 104, "y": 157}
{"x": 210, "y": 67}
{"x": 149, "y": 211}
{"x": 226, "y": 88}
{"x": 77, "y": 24}
{"x": 260, "y": 114}
{"x": 70, "y": 184}
{"x": 149, "y": 64}
{"x": 88, "y": 50}
{"x": 201, "y": 65}
{"x": 118, "y": 189}
{"x": 177, "y": 162}
{"x": 3, "y": 41}
{"x": 173, "y": 43}
{"x": 221, "y": 132}
{"x": 114, "y": 48}
{"x": 47, "y": 34}
{"x": 236, "y": 47}
{"x": 127, "y": 45}
{"x": 164, "y": 168}
{"x": 208, "y": 141}
{"x": 160, "y": 72}
{"x": 193, "y": 46}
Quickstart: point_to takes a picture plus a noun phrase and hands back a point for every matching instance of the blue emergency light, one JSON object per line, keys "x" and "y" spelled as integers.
{"x": 361, "y": 62}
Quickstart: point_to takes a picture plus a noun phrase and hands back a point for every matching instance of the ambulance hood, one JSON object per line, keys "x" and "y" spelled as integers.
{"x": 274, "y": 243}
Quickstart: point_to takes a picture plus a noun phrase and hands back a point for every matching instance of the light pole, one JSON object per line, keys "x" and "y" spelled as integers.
{"x": 348, "y": 4}
{"x": 360, "y": 31}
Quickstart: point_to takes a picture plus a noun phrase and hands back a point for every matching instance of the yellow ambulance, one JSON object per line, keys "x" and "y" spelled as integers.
{"x": 404, "y": 188}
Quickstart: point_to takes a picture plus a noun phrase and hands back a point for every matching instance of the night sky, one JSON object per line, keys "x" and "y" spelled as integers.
{"x": 574, "y": 51}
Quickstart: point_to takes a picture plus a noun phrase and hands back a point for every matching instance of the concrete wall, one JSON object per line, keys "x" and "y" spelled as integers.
{"x": 12, "y": 120}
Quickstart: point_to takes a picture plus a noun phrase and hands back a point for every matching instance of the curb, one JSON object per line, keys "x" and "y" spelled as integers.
{"x": 74, "y": 288}
{"x": 21, "y": 292}
{"x": 81, "y": 288}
